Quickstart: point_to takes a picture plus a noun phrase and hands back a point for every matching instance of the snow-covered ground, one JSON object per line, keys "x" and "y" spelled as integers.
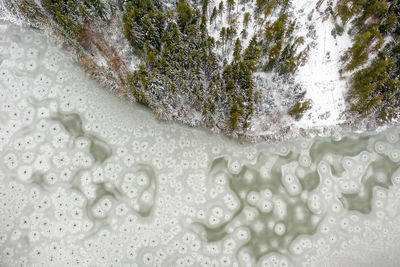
{"x": 320, "y": 75}
{"x": 236, "y": 17}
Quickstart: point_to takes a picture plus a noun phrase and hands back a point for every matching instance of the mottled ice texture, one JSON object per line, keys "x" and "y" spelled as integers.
{"x": 89, "y": 180}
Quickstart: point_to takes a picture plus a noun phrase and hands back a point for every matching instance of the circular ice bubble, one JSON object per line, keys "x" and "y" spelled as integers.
{"x": 296, "y": 248}
{"x": 354, "y": 187}
{"x": 232, "y": 205}
{"x": 225, "y": 261}
{"x": 24, "y": 172}
{"x": 220, "y": 179}
{"x": 314, "y": 203}
{"x": 250, "y": 213}
{"x": 396, "y": 177}
{"x": 392, "y": 137}
{"x": 283, "y": 262}
{"x": 32, "y": 52}
{"x": 265, "y": 262}
{"x": 304, "y": 145}
{"x": 380, "y": 147}
{"x": 348, "y": 162}
{"x": 18, "y": 144}
{"x": 291, "y": 184}
{"x": 212, "y": 220}
{"x": 147, "y": 197}
{"x": 142, "y": 180}
{"x": 253, "y": 197}
{"x": 324, "y": 228}
{"x": 365, "y": 156}
{"x": 98, "y": 211}
{"x": 243, "y": 234}
{"x": 305, "y": 161}
{"x": 379, "y": 203}
{"x": 283, "y": 150}
{"x": 217, "y": 212}
{"x": 27, "y": 157}
{"x": 16, "y": 234}
{"x": 106, "y": 204}
{"x": 345, "y": 186}
{"x": 13, "y": 46}
{"x": 315, "y": 206}
{"x": 289, "y": 178}
{"x": 129, "y": 190}
{"x": 294, "y": 189}
{"x": 195, "y": 245}
{"x": 380, "y": 214}
{"x": 30, "y": 65}
{"x": 30, "y": 142}
{"x": 280, "y": 228}
{"x": 394, "y": 155}
{"x": 344, "y": 223}
{"x": 235, "y": 167}
{"x": 323, "y": 167}
{"x": 147, "y": 258}
{"x": 16, "y": 94}
{"x": 10, "y": 160}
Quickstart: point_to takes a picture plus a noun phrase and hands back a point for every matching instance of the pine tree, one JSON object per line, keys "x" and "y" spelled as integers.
{"x": 234, "y": 116}
{"x": 184, "y": 14}
{"x": 221, "y": 8}
{"x": 213, "y": 15}
{"x": 246, "y": 19}
{"x": 271, "y": 6}
{"x": 230, "y": 4}
{"x": 237, "y": 50}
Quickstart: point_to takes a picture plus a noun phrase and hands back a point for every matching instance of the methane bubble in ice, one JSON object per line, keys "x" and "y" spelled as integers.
{"x": 89, "y": 180}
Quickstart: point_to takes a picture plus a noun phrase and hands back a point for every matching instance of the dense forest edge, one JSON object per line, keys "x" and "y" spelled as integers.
{"x": 174, "y": 58}
{"x": 373, "y": 60}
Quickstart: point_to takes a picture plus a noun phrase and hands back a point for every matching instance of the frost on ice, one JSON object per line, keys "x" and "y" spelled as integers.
{"x": 89, "y": 180}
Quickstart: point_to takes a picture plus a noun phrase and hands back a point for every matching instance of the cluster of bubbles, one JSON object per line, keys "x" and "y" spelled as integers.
{"x": 88, "y": 180}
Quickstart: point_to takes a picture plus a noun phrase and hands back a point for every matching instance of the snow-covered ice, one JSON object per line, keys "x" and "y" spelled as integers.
{"x": 87, "y": 179}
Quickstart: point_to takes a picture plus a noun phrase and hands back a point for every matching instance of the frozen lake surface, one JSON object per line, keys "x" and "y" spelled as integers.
{"x": 87, "y": 179}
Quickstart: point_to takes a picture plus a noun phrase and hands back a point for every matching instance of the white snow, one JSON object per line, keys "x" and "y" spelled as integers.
{"x": 320, "y": 75}
{"x": 237, "y": 15}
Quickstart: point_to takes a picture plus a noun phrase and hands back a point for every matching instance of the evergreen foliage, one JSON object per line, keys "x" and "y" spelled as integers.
{"x": 298, "y": 109}
{"x": 185, "y": 66}
{"x": 67, "y": 17}
{"x": 183, "y": 73}
{"x": 280, "y": 46}
{"x": 375, "y": 85}
{"x": 70, "y": 15}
